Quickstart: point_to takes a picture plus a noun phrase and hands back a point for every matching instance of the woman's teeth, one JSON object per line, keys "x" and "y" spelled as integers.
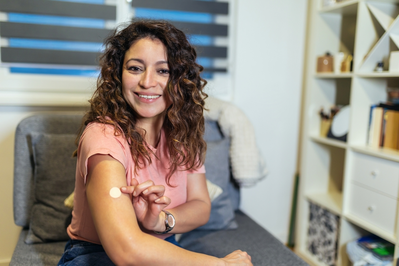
{"x": 149, "y": 96}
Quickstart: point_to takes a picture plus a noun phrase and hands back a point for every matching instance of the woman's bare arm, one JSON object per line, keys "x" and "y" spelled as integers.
{"x": 195, "y": 212}
{"x": 117, "y": 226}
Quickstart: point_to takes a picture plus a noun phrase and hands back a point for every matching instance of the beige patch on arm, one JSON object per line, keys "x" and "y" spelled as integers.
{"x": 115, "y": 192}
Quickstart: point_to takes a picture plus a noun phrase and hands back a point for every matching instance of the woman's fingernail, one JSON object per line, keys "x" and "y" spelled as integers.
{"x": 157, "y": 200}
{"x": 145, "y": 192}
{"x": 123, "y": 189}
{"x": 134, "y": 193}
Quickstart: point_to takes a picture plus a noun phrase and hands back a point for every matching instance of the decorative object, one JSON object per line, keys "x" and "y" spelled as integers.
{"x": 346, "y": 64}
{"x": 325, "y": 63}
{"x": 340, "y": 124}
{"x": 325, "y": 120}
{"x": 379, "y": 67}
{"x": 338, "y": 62}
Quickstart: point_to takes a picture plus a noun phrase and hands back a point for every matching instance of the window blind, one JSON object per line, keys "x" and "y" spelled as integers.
{"x": 54, "y": 37}
{"x": 196, "y": 19}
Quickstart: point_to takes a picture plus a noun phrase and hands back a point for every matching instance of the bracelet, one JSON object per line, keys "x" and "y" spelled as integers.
{"x": 169, "y": 227}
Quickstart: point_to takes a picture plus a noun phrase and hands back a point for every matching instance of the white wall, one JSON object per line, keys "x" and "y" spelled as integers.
{"x": 267, "y": 85}
{"x": 270, "y": 40}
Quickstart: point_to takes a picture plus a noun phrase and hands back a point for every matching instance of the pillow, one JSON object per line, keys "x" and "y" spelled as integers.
{"x": 68, "y": 202}
{"x": 218, "y": 172}
{"x": 213, "y": 190}
{"x": 54, "y": 175}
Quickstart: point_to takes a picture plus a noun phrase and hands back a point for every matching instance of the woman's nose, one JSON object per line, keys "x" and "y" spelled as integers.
{"x": 148, "y": 79}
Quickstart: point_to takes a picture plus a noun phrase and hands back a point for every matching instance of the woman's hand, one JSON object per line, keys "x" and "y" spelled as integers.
{"x": 148, "y": 203}
{"x": 238, "y": 258}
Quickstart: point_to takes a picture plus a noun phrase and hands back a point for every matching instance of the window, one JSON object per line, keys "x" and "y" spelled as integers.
{"x": 52, "y": 46}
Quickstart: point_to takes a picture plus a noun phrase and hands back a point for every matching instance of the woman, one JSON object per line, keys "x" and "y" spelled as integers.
{"x": 143, "y": 137}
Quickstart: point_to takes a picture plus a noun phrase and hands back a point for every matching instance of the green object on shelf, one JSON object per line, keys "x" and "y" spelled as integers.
{"x": 380, "y": 248}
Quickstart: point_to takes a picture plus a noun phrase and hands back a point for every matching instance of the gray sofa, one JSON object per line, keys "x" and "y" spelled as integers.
{"x": 44, "y": 177}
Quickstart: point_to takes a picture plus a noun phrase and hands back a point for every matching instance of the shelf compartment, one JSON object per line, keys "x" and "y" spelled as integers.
{"x": 330, "y": 201}
{"x": 348, "y": 7}
{"x": 384, "y": 13}
{"x": 337, "y": 23}
{"x": 388, "y": 154}
{"x": 366, "y": 93}
{"x": 379, "y": 53}
{"x": 324, "y": 178}
{"x": 348, "y": 232}
{"x": 330, "y": 142}
{"x": 387, "y": 42}
{"x": 371, "y": 228}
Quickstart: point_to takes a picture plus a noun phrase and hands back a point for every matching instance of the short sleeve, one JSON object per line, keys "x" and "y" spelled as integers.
{"x": 200, "y": 170}
{"x": 99, "y": 138}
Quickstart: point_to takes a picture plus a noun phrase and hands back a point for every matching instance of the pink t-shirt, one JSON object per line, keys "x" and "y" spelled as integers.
{"x": 99, "y": 138}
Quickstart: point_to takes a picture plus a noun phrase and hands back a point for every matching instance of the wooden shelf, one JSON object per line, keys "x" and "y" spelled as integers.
{"x": 384, "y": 74}
{"x": 330, "y": 142}
{"x": 348, "y": 7}
{"x": 329, "y": 201}
{"x": 388, "y": 154}
{"x": 333, "y": 75}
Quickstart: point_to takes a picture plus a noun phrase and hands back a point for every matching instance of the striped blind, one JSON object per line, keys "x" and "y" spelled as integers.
{"x": 64, "y": 37}
{"x": 54, "y": 37}
{"x": 198, "y": 19}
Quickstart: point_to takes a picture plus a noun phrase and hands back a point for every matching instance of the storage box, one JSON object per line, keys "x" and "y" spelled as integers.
{"x": 323, "y": 233}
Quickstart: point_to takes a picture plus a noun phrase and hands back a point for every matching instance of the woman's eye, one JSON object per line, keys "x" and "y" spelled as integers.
{"x": 134, "y": 68}
{"x": 164, "y": 71}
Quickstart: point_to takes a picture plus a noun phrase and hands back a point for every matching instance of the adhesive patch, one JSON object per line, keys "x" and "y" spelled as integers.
{"x": 115, "y": 192}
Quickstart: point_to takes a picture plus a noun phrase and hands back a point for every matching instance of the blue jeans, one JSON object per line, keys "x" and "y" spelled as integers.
{"x": 82, "y": 253}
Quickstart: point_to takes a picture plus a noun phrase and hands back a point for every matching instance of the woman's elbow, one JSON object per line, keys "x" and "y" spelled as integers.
{"x": 123, "y": 255}
{"x": 206, "y": 213}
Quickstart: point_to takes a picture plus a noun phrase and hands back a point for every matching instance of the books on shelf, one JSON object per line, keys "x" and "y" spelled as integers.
{"x": 384, "y": 126}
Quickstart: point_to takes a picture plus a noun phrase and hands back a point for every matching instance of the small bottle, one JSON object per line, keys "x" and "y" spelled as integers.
{"x": 379, "y": 67}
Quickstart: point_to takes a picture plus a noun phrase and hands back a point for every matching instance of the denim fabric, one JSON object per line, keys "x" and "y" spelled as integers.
{"x": 82, "y": 253}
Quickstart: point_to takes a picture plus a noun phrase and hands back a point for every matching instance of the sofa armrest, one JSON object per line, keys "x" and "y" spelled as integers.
{"x": 262, "y": 246}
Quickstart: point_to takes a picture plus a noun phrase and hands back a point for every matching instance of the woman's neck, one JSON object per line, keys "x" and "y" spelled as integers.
{"x": 152, "y": 129}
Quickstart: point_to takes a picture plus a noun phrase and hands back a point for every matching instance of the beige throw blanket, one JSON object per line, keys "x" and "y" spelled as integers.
{"x": 248, "y": 165}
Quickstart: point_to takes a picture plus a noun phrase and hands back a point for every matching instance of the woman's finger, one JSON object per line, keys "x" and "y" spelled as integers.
{"x": 134, "y": 182}
{"x": 127, "y": 189}
{"x": 141, "y": 187}
{"x": 159, "y": 191}
{"x": 163, "y": 200}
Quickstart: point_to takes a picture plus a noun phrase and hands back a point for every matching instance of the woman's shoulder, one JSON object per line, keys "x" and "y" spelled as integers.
{"x": 102, "y": 130}
{"x": 97, "y": 127}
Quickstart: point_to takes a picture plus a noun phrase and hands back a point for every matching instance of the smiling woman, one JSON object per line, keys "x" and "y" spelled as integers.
{"x": 143, "y": 135}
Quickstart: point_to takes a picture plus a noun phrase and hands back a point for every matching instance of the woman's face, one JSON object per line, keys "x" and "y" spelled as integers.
{"x": 144, "y": 78}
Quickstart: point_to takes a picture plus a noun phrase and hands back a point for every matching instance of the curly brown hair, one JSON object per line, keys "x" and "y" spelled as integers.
{"x": 184, "y": 120}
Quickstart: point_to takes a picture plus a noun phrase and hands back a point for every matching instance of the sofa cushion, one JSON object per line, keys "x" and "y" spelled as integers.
{"x": 218, "y": 172}
{"x": 54, "y": 175}
{"x": 262, "y": 246}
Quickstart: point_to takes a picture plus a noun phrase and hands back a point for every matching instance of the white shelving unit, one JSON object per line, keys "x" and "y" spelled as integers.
{"x": 357, "y": 183}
